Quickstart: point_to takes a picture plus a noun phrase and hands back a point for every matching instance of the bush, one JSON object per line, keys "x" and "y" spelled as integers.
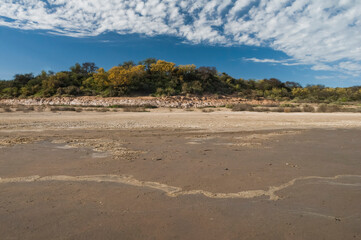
{"x": 54, "y": 109}
{"x": 271, "y": 105}
{"x": 334, "y": 108}
{"x": 102, "y": 109}
{"x": 6, "y": 108}
{"x": 262, "y": 109}
{"x": 328, "y": 108}
{"x": 21, "y": 108}
{"x": 242, "y": 107}
{"x": 308, "y": 108}
{"x": 138, "y": 106}
{"x": 322, "y": 108}
{"x": 207, "y": 110}
{"x": 134, "y": 109}
{"x": 296, "y": 109}
{"x": 279, "y": 109}
{"x": 287, "y": 105}
{"x": 26, "y": 109}
{"x": 39, "y": 108}
{"x": 57, "y": 108}
{"x": 68, "y": 109}
{"x": 292, "y": 109}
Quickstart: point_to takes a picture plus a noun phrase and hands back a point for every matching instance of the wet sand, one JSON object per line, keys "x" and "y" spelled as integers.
{"x": 180, "y": 175}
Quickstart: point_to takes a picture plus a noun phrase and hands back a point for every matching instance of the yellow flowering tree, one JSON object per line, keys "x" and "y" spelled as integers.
{"x": 121, "y": 77}
{"x": 162, "y": 67}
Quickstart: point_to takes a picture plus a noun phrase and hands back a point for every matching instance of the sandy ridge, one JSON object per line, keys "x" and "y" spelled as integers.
{"x": 173, "y": 191}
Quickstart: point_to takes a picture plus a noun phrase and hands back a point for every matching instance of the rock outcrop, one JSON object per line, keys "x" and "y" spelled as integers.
{"x": 168, "y": 102}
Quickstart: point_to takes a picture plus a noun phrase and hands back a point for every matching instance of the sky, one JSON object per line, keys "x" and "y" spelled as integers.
{"x": 307, "y": 41}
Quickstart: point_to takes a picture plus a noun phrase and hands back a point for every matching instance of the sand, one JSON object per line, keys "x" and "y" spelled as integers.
{"x": 180, "y": 175}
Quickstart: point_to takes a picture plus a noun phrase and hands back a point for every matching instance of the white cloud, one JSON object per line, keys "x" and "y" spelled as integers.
{"x": 324, "y": 77}
{"x": 321, "y": 67}
{"x": 286, "y": 62}
{"x": 350, "y": 68}
{"x": 324, "y": 34}
{"x": 265, "y": 60}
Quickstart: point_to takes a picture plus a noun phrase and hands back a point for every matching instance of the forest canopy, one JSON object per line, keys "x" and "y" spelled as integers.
{"x": 162, "y": 78}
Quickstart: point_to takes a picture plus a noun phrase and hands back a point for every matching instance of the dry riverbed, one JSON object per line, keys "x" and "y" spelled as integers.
{"x": 177, "y": 174}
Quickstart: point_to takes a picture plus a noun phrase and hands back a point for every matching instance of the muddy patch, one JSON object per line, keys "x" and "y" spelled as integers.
{"x": 12, "y": 141}
{"x": 101, "y": 146}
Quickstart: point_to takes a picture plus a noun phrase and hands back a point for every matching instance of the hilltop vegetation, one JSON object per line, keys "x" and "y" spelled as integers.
{"x": 161, "y": 78}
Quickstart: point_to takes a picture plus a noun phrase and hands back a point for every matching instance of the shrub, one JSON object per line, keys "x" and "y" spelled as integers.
{"x": 138, "y": 106}
{"x": 292, "y": 109}
{"x": 328, "y": 108}
{"x": 308, "y": 108}
{"x": 287, "y": 110}
{"x": 242, "y": 107}
{"x": 6, "y": 108}
{"x": 296, "y": 109}
{"x": 134, "y": 109}
{"x": 150, "y": 106}
{"x": 271, "y": 105}
{"x": 207, "y": 110}
{"x": 58, "y": 108}
{"x": 263, "y": 109}
{"x": 287, "y": 105}
{"x": 279, "y": 109}
{"x": 334, "y": 108}
{"x": 20, "y": 108}
{"x": 67, "y": 109}
{"x": 54, "y": 109}
{"x": 117, "y": 106}
{"x": 102, "y": 109}
{"x": 39, "y": 108}
{"x": 322, "y": 108}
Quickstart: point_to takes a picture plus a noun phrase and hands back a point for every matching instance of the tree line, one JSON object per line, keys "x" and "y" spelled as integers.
{"x": 162, "y": 78}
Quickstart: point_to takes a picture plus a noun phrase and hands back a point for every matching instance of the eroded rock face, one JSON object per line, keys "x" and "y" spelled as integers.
{"x": 172, "y": 102}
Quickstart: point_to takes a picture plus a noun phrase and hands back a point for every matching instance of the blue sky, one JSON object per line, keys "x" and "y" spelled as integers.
{"x": 307, "y": 41}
